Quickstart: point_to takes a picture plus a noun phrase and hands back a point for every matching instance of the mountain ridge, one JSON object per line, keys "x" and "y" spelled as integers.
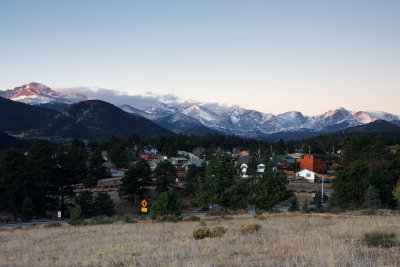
{"x": 235, "y": 120}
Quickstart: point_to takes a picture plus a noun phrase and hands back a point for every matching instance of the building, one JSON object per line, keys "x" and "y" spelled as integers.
{"x": 149, "y": 156}
{"x": 260, "y": 168}
{"x": 307, "y": 175}
{"x": 313, "y": 163}
{"x": 196, "y": 162}
{"x": 179, "y": 164}
{"x": 187, "y": 154}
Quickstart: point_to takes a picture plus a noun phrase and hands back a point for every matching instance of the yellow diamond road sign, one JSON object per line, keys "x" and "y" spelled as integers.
{"x": 144, "y": 203}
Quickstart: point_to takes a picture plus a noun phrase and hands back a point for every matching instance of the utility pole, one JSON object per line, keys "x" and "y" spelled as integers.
{"x": 322, "y": 190}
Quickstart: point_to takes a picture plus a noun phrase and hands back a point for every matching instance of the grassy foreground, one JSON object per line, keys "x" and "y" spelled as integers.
{"x": 283, "y": 240}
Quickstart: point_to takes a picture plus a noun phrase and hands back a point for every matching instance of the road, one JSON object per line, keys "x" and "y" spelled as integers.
{"x": 21, "y": 224}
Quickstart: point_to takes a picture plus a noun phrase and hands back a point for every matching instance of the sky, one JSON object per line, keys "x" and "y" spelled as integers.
{"x": 269, "y": 55}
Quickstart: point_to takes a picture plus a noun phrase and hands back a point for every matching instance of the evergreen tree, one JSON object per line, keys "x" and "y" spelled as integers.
{"x": 103, "y": 204}
{"x": 14, "y": 181}
{"x": 270, "y": 189}
{"x": 134, "y": 181}
{"x": 293, "y": 203}
{"x": 371, "y": 199}
{"x": 165, "y": 174}
{"x": 317, "y": 200}
{"x": 281, "y": 147}
{"x": 166, "y": 204}
{"x": 396, "y": 192}
{"x": 221, "y": 175}
{"x": 350, "y": 185}
{"x": 194, "y": 174}
{"x": 96, "y": 169}
{"x": 27, "y": 209}
{"x": 42, "y": 168}
{"x": 252, "y": 166}
{"x": 85, "y": 201}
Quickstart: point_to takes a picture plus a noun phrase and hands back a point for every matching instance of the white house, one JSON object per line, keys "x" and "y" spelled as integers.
{"x": 307, "y": 175}
{"x": 260, "y": 168}
{"x": 243, "y": 169}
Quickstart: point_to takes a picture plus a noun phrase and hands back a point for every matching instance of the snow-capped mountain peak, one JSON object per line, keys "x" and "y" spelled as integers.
{"x": 37, "y": 94}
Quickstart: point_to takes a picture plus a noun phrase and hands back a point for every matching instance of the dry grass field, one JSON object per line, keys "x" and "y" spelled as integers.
{"x": 282, "y": 240}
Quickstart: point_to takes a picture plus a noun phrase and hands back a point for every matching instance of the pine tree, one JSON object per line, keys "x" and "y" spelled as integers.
{"x": 166, "y": 204}
{"x": 103, "y": 204}
{"x": 221, "y": 175}
{"x": 96, "y": 170}
{"x": 27, "y": 209}
{"x": 371, "y": 199}
{"x": 293, "y": 203}
{"x": 270, "y": 189}
{"x": 134, "y": 181}
{"x": 85, "y": 201}
{"x": 165, "y": 174}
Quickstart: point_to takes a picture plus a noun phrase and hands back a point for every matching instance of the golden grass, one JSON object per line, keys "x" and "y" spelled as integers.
{"x": 282, "y": 240}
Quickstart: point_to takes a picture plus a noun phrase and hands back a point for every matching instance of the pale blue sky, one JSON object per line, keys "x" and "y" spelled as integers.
{"x": 272, "y": 56}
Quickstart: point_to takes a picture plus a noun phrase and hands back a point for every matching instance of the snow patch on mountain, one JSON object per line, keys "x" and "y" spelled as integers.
{"x": 38, "y": 94}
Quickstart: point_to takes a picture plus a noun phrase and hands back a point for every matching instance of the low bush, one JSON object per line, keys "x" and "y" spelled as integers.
{"x": 380, "y": 239}
{"x": 76, "y": 217}
{"x": 217, "y": 231}
{"x": 201, "y": 233}
{"x": 250, "y": 228}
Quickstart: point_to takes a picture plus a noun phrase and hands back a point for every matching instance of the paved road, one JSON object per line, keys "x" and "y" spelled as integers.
{"x": 13, "y": 225}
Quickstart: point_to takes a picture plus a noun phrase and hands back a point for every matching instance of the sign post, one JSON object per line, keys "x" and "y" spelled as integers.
{"x": 59, "y": 215}
{"x": 143, "y": 208}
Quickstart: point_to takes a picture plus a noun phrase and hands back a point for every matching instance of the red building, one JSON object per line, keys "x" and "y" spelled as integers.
{"x": 149, "y": 156}
{"x": 313, "y": 163}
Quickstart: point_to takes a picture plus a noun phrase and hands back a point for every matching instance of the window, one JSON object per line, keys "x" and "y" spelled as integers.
{"x": 308, "y": 174}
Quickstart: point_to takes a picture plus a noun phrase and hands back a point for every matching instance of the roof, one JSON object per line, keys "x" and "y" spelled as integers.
{"x": 304, "y": 170}
{"x": 296, "y": 155}
{"x": 178, "y": 158}
{"x": 247, "y": 159}
{"x": 196, "y": 162}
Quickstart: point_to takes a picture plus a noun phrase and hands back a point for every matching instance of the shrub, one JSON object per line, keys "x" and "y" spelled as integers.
{"x": 129, "y": 218}
{"x": 76, "y": 217}
{"x": 380, "y": 239}
{"x": 201, "y": 233}
{"x": 217, "y": 231}
{"x": 250, "y": 228}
